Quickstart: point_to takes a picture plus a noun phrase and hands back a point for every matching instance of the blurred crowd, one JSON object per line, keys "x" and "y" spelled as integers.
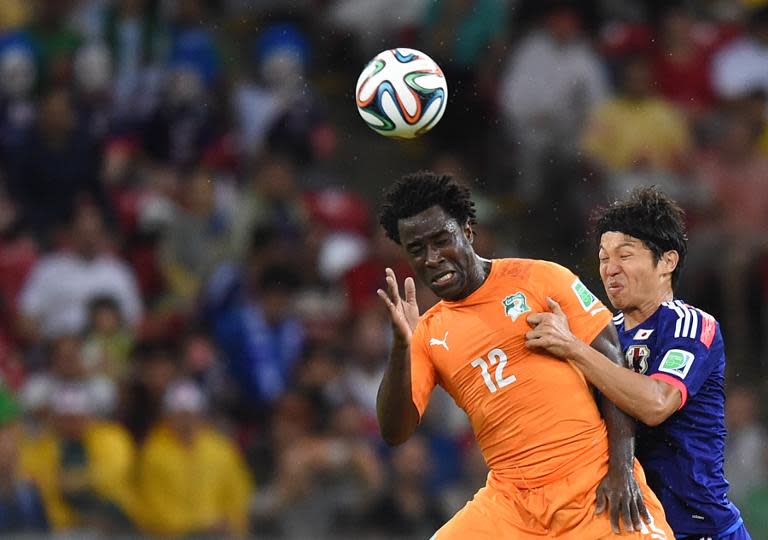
{"x": 190, "y": 338}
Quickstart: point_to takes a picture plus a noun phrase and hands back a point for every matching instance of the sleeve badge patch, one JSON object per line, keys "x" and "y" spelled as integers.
{"x": 585, "y": 296}
{"x": 677, "y": 362}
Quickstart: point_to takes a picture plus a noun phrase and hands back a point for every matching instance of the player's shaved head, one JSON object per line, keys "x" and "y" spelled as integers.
{"x": 414, "y": 193}
{"x": 651, "y": 217}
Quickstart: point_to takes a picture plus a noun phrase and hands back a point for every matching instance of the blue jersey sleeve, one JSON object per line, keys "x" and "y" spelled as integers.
{"x": 683, "y": 359}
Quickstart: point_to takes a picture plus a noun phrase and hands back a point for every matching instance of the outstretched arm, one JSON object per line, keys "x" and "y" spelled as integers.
{"x": 397, "y": 414}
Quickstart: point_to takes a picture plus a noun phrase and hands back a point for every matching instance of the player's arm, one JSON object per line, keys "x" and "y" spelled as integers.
{"x": 648, "y": 399}
{"x": 621, "y": 447}
{"x": 397, "y": 414}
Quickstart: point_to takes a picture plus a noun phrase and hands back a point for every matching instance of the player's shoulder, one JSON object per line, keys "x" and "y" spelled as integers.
{"x": 679, "y": 320}
{"x": 531, "y": 269}
{"x": 433, "y": 315}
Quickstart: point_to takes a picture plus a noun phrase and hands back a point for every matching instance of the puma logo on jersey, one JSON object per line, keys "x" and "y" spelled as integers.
{"x": 434, "y": 341}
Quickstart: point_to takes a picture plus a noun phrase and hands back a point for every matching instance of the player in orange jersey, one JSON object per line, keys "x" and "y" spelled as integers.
{"x": 552, "y": 469}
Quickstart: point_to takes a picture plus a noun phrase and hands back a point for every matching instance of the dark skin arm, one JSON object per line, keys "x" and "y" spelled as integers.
{"x": 618, "y": 490}
{"x": 397, "y": 414}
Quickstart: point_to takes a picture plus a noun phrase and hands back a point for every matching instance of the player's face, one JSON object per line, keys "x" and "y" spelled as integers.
{"x": 440, "y": 252}
{"x": 631, "y": 276}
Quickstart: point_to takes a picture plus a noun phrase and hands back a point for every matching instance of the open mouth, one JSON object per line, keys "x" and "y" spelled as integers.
{"x": 443, "y": 278}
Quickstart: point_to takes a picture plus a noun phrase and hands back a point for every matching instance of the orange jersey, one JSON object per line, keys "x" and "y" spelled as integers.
{"x": 534, "y": 416}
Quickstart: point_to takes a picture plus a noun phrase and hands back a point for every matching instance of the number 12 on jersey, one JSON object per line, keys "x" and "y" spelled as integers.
{"x": 496, "y": 357}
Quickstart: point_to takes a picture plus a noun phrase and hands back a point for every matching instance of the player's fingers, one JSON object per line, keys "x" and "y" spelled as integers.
{"x": 410, "y": 290}
{"x": 394, "y": 294}
{"x": 644, "y": 513}
{"x": 634, "y": 512}
{"x": 626, "y": 513}
{"x": 387, "y": 302}
{"x": 554, "y": 307}
{"x": 534, "y": 319}
{"x": 613, "y": 512}
{"x": 601, "y": 500}
{"x": 533, "y": 335}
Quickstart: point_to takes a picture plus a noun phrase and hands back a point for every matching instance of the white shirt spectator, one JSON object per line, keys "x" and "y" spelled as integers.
{"x": 60, "y": 286}
{"x": 740, "y": 68}
{"x": 549, "y": 88}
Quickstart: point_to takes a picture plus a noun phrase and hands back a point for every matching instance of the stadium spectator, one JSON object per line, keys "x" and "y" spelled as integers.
{"x": 83, "y": 466}
{"x": 191, "y": 479}
{"x": 93, "y": 74}
{"x": 339, "y": 467}
{"x": 21, "y": 508}
{"x": 18, "y": 255}
{"x": 745, "y": 463}
{"x": 54, "y": 42}
{"x": 552, "y": 81}
{"x": 740, "y": 68}
{"x": 367, "y": 356}
{"x": 108, "y": 342}
{"x": 18, "y": 107}
{"x": 277, "y": 107}
{"x": 408, "y": 509}
{"x": 154, "y": 366}
{"x": 271, "y": 199}
{"x": 637, "y": 129}
{"x": 466, "y": 38}
{"x": 363, "y": 279}
{"x": 67, "y": 365}
{"x": 261, "y": 338}
{"x": 55, "y": 166}
{"x": 682, "y": 57}
{"x": 134, "y": 32}
{"x": 196, "y": 240}
{"x": 732, "y": 179}
{"x": 55, "y": 297}
{"x": 755, "y": 509}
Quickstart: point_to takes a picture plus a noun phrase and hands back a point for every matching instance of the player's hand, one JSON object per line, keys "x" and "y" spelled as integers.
{"x": 620, "y": 493}
{"x": 550, "y": 331}
{"x": 404, "y": 313}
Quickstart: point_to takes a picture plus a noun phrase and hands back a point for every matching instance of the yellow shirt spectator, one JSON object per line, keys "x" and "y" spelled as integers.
{"x": 625, "y": 134}
{"x": 199, "y": 487}
{"x": 14, "y": 14}
{"x": 105, "y": 473}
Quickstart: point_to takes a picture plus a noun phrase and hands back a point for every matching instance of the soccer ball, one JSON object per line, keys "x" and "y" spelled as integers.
{"x": 401, "y": 93}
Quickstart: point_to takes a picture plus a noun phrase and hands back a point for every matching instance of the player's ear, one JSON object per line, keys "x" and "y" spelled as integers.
{"x": 670, "y": 259}
{"x": 468, "y": 232}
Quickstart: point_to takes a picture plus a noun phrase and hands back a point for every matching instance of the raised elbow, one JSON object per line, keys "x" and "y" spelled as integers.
{"x": 394, "y": 438}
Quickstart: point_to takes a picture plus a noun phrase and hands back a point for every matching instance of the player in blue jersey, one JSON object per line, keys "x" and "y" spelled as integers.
{"x": 677, "y": 387}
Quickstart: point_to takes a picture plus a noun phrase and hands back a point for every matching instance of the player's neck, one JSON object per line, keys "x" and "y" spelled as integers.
{"x": 640, "y": 313}
{"x": 478, "y": 273}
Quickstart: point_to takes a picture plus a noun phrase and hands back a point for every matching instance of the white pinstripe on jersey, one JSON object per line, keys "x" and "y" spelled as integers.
{"x": 687, "y": 323}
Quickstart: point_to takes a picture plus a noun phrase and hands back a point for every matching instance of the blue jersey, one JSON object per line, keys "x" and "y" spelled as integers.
{"x": 683, "y": 456}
